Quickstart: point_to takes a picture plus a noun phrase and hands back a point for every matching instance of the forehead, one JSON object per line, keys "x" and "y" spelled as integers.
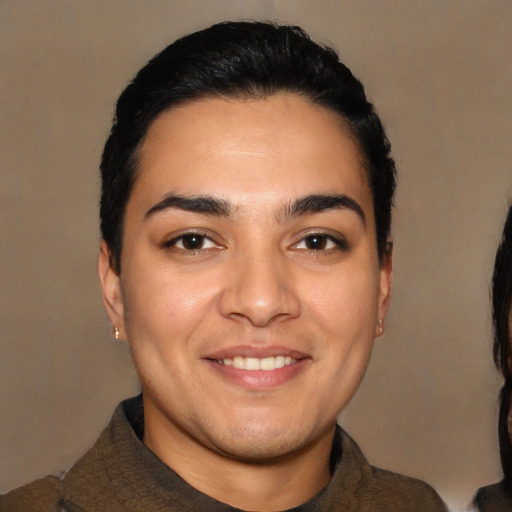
{"x": 272, "y": 147}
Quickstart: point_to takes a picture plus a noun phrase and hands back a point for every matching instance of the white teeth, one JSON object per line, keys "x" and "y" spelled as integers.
{"x": 238, "y": 362}
{"x": 253, "y": 363}
{"x": 269, "y": 363}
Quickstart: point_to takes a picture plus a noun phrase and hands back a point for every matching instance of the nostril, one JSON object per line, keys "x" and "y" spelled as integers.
{"x": 262, "y": 317}
{"x": 260, "y": 292}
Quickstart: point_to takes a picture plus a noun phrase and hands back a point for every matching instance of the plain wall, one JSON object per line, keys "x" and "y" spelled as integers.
{"x": 440, "y": 75}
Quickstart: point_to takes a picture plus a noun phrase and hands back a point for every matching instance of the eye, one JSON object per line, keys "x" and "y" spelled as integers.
{"x": 192, "y": 242}
{"x": 321, "y": 242}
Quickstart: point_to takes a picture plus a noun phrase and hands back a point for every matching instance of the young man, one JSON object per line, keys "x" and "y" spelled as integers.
{"x": 245, "y": 216}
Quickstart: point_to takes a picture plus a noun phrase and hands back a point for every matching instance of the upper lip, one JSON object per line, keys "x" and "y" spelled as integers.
{"x": 259, "y": 352}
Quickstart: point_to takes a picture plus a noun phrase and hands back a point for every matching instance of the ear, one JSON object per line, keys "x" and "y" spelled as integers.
{"x": 386, "y": 282}
{"x": 111, "y": 290}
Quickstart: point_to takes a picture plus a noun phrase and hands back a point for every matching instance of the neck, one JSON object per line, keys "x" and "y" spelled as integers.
{"x": 264, "y": 486}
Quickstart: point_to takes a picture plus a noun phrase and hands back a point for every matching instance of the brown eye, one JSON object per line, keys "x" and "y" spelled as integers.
{"x": 191, "y": 242}
{"x": 316, "y": 242}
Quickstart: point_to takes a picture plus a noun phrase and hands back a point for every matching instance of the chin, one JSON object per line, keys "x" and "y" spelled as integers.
{"x": 254, "y": 452}
{"x": 264, "y": 444}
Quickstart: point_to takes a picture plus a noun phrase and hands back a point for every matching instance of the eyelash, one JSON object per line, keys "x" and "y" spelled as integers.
{"x": 173, "y": 243}
{"x": 339, "y": 243}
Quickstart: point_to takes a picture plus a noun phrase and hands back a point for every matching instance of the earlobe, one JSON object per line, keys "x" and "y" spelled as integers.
{"x": 386, "y": 282}
{"x": 111, "y": 290}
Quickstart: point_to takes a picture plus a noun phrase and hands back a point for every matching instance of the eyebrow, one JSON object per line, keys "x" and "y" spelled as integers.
{"x": 208, "y": 205}
{"x": 319, "y": 203}
{"x": 205, "y": 205}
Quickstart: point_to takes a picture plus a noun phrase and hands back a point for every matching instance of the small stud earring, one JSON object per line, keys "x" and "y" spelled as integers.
{"x": 381, "y": 326}
{"x": 115, "y": 332}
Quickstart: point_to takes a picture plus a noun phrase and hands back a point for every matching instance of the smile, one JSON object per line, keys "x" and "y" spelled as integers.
{"x": 254, "y": 363}
{"x": 258, "y": 368}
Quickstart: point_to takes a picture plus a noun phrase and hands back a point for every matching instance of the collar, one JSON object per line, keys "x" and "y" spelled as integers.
{"x": 121, "y": 469}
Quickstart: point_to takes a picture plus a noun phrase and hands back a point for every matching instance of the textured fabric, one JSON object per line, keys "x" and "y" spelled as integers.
{"x": 493, "y": 498}
{"x": 120, "y": 474}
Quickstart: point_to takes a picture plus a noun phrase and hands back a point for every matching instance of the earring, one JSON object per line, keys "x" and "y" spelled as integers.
{"x": 380, "y": 324}
{"x": 115, "y": 332}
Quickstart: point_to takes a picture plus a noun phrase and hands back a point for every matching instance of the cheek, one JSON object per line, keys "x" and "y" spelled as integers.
{"x": 345, "y": 300}
{"x": 165, "y": 304}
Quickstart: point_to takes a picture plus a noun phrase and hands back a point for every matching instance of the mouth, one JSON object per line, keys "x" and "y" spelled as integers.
{"x": 255, "y": 363}
{"x": 258, "y": 368}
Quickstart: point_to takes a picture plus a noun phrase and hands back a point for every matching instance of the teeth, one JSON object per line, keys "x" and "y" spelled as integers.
{"x": 253, "y": 363}
{"x": 269, "y": 363}
{"x": 238, "y": 362}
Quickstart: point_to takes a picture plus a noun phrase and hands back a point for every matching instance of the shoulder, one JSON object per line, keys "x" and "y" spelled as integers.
{"x": 386, "y": 490}
{"x": 39, "y": 496}
{"x": 399, "y": 492}
{"x": 82, "y": 483}
{"x": 493, "y": 498}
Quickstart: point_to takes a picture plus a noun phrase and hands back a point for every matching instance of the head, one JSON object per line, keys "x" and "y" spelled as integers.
{"x": 240, "y": 60}
{"x": 502, "y": 305}
{"x": 247, "y": 190}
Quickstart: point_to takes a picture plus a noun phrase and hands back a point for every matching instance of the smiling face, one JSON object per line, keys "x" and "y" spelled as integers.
{"x": 250, "y": 289}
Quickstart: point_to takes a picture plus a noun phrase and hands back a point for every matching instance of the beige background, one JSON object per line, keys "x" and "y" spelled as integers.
{"x": 440, "y": 75}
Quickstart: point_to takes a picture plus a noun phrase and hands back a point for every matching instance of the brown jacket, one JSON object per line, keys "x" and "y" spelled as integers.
{"x": 119, "y": 474}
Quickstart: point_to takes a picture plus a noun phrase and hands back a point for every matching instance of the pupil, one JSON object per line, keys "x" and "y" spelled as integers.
{"x": 193, "y": 242}
{"x": 316, "y": 242}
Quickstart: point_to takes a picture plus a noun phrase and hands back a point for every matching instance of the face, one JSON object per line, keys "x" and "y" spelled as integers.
{"x": 250, "y": 289}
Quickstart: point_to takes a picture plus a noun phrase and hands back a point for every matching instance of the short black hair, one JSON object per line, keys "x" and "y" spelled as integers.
{"x": 240, "y": 60}
{"x": 501, "y": 314}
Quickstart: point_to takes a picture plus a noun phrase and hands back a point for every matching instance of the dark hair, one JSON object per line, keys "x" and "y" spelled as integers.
{"x": 501, "y": 313}
{"x": 240, "y": 60}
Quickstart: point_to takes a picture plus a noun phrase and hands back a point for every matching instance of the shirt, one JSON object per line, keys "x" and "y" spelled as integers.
{"x": 120, "y": 474}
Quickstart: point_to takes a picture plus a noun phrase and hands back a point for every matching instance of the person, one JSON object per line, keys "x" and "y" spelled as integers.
{"x": 498, "y": 497}
{"x": 247, "y": 188}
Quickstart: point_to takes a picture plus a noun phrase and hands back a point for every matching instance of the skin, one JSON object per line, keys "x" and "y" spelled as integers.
{"x": 260, "y": 280}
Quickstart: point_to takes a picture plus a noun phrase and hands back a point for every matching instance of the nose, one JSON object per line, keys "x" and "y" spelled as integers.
{"x": 260, "y": 289}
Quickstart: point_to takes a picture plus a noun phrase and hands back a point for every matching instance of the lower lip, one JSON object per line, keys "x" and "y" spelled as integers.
{"x": 260, "y": 380}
